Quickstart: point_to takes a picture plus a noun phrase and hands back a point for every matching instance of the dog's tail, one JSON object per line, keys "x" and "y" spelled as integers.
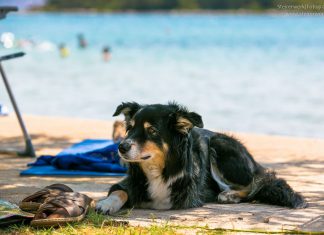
{"x": 272, "y": 190}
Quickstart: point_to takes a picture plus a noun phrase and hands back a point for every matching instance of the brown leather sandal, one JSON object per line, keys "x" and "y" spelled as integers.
{"x": 34, "y": 201}
{"x": 62, "y": 209}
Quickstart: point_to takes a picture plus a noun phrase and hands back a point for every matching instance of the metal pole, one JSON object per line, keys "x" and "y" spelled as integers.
{"x": 29, "y": 150}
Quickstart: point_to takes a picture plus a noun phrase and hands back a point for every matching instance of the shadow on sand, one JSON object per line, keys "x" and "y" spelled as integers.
{"x": 40, "y": 142}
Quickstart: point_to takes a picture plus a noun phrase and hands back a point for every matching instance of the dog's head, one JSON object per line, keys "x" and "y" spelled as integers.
{"x": 151, "y": 129}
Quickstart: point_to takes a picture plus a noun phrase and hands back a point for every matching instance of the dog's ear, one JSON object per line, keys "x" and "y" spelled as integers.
{"x": 128, "y": 109}
{"x": 184, "y": 121}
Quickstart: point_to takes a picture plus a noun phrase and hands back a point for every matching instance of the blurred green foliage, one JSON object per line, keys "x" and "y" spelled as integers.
{"x": 145, "y": 5}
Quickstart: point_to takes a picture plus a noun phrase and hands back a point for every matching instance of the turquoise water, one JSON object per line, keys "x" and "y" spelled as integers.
{"x": 250, "y": 73}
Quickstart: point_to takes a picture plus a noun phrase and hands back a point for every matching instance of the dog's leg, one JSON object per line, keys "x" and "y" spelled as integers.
{"x": 232, "y": 196}
{"x": 112, "y": 203}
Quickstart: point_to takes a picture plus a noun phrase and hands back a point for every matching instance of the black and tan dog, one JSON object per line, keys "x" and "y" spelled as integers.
{"x": 174, "y": 163}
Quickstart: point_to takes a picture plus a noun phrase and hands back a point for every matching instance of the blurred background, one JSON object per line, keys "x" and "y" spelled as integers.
{"x": 245, "y": 65}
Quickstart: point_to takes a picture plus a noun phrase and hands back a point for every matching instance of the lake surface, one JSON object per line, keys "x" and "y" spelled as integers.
{"x": 248, "y": 73}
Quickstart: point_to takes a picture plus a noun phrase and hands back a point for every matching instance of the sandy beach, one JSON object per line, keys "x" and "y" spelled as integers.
{"x": 298, "y": 160}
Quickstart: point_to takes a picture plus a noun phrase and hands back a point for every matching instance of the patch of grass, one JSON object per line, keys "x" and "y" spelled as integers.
{"x": 97, "y": 224}
{"x": 94, "y": 224}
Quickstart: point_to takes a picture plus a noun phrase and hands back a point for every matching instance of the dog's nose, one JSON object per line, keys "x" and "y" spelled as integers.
{"x": 124, "y": 146}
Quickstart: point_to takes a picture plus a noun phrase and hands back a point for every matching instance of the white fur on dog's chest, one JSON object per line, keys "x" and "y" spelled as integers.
{"x": 159, "y": 189}
{"x": 159, "y": 192}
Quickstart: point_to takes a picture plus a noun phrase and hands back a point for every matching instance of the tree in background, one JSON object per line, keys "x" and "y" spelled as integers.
{"x": 145, "y": 5}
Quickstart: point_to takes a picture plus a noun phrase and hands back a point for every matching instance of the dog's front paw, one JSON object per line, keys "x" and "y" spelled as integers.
{"x": 109, "y": 205}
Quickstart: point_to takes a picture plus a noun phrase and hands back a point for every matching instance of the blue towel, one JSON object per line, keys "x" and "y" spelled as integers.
{"x": 52, "y": 171}
{"x": 88, "y": 155}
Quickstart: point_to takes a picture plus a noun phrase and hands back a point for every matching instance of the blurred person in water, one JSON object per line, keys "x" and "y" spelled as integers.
{"x": 64, "y": 51}
{"x": 106, "y": 53}
{"x": 82, "y": 42}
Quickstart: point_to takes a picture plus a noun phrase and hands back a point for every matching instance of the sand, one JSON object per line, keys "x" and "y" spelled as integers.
{"x": 298, "y": 160}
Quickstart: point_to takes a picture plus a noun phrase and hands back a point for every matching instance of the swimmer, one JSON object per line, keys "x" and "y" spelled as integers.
{"x": 64, "y": 51}
{"x": 82, "y": 42}
{"x": 106, "y": 54}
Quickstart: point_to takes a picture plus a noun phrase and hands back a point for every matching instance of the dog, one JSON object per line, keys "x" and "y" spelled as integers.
{"x": 173, "y": 163}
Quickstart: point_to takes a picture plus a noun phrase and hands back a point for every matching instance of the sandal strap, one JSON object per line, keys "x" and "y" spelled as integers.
{"x": 52, "y": 190}
{"x": 71, "y": 210}
{"x": 40, "y": 194}
{"x": 61, "y": 187}
{"x": 77, "y": 198}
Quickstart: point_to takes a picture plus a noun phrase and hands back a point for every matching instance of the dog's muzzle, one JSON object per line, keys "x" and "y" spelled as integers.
{"x": 130, "y": 151}
{"x": 124, "y": 146}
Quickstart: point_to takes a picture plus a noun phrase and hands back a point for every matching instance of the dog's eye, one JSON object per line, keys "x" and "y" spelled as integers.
{"x": 152, "y": 131}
